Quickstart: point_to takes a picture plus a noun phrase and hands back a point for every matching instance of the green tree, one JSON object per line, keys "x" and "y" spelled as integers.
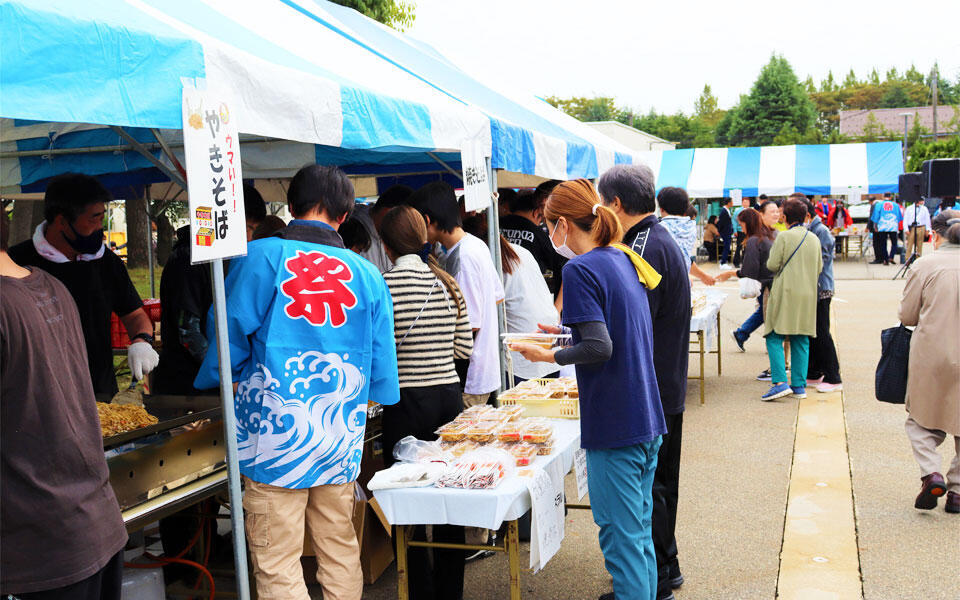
{"x": 892, "y": 75}
{"x": 600, "y": 108}
{"x": 776, "y": 99}
{"x": 787, "y": 135}
{"x": 393, "y": 13}
{"x": 895, "y": 97}
{"x": 921, "y": 151}
{"x": 872, "y": 129}
{"x": 874, "y": 77}
{"x": 828, "y": 84}
{"x": 916, "y": 130}
{"x": 850, "y": 80}
{"x": 707, "y": 107}
{"x": 809, "y": 86}
{"x": 913, "y": 75}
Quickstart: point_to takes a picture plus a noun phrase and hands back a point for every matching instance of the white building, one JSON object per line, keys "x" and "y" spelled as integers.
{"x": 635, "y": 139}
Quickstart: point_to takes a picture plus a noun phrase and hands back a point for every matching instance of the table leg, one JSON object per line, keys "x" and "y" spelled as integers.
{"x": 719, "y": 337}
{"x": 513, "y": 554}
{"x": 702, "y": 368}
{"x": 403, "y": 575}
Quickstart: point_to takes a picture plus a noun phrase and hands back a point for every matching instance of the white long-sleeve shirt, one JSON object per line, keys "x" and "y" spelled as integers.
{"x": 916, "y": 214}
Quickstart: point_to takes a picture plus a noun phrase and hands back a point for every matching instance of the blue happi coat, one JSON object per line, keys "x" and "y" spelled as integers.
{"x": 311, "y": 340}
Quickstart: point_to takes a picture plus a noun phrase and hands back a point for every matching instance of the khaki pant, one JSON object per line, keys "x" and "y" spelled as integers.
{"x": 908, "y": 237}
{"x": 925, "y": 442}
{"x": 274, "y": 519}
{"x": 475, "y": 399}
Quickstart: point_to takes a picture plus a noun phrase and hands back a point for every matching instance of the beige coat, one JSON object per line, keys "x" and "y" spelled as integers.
{"x": 791, "y": 308}
{"x": 931, "y": 301}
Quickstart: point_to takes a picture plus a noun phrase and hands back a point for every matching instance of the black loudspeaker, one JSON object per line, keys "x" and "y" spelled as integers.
{"x": 941, "y": 177}
{"x": 910, "y": 188}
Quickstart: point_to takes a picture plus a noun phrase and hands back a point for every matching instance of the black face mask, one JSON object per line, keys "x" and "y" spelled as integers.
{"x": 85, "y": 244}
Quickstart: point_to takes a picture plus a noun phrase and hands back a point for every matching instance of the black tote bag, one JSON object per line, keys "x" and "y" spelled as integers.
{"x": 891, "y": 380}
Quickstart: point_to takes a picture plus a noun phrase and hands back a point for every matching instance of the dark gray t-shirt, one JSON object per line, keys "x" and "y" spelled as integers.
{"x": 59, "y": 518}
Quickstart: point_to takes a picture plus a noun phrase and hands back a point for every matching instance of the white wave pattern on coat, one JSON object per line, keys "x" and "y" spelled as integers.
{"x": 295, "y": 439}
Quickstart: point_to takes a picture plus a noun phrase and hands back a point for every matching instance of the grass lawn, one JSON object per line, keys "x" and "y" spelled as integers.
{"x": 141, "y": 281}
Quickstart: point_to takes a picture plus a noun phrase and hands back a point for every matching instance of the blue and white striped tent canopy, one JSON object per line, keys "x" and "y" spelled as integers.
{"x": 314, "y": 82}
{"x": 836, "y": 169}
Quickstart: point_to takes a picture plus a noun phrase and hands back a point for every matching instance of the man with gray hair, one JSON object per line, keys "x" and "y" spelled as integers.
{"x": 629, "y": 191}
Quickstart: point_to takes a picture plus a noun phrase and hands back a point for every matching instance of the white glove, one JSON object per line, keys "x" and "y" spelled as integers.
{"x": 142, "y": 359}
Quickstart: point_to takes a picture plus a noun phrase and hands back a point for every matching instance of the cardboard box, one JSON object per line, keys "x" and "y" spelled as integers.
{"x": 373, "y": 534}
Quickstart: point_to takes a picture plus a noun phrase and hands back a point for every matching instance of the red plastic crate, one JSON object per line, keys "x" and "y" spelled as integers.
{"x": 119, "y": 339}
{"x": 152, "y": 306}
{"x": 118, "y": 333}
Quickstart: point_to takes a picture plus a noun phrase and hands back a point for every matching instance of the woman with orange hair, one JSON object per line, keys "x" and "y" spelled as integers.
{"x": 605, "y": 306}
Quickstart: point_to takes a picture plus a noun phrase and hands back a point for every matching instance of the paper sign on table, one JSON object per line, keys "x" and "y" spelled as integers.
{"x": 214, "y": 180}
{"x": 476, "y": 186}
{"x": 580, "y": 470}
{"x": 547, "y": 524}
{"x": 736, "y": 195}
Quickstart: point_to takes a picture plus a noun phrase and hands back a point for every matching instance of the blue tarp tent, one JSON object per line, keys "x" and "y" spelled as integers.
{"x": 314, "y": 82}
{"x": 836, "y": 169}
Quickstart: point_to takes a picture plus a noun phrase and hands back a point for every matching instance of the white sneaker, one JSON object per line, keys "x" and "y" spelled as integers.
{"x": 826, "y": 388}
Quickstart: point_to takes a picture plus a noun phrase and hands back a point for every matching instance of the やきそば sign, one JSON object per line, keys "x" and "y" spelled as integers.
{"x": 214, "y": 179}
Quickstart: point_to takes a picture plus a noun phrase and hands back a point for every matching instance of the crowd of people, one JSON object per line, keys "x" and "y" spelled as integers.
{"x": 397, "y": 303}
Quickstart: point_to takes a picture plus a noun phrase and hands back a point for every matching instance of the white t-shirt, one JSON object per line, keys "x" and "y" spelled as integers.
{"x": 528, "y": 302}
{"x": 470, "y": 263}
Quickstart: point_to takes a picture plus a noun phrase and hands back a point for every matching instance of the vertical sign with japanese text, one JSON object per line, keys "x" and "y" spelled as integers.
{"x": 476, "y": 186}
{"x": 546, "y": 521}
{"x": 580, "y": 470}
{"x": 214, "y": 180}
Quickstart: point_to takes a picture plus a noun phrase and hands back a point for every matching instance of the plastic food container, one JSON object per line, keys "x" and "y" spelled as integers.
{"x": 510, "y": 432}
{"x": 537, "y": 433}
{"x": 524, "y": 453}
{"x": 453, "y": 432}
{"x": 512, "y": 411}
{"x": 544, "y": 340}
{"x": 483, "y": 432}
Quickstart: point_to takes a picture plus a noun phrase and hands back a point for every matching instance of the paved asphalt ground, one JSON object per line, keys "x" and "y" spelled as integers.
{"x": 737, "y": 454}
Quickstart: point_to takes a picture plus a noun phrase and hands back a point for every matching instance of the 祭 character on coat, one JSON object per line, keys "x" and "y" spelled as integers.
{"x": 311, "y": 341}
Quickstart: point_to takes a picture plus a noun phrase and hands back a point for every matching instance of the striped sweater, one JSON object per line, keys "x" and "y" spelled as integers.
{"x": 428, "y": 332}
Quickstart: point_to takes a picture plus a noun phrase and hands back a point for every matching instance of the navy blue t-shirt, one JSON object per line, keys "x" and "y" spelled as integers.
{"x": 619, "y": 399}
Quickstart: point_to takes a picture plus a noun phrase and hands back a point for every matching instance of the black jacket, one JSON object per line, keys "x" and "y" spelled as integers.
{"x": 725, "y": 224}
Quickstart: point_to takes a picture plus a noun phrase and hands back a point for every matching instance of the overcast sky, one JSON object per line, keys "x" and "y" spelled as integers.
{"x": 659, "y": 54}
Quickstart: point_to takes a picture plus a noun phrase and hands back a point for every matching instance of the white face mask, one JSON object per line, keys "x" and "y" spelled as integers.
{"x": 563, "y": 250}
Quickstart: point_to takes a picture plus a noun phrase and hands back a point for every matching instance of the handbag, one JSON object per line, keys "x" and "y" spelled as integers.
{"x": 891, "y": 379}
{"x": 749, "y": 288}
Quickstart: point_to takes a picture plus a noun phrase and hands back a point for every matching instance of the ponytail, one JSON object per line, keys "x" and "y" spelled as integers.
{"x": 447, "y": 280}
{"x": 577, "y": 201}
{"x": 606, "y": 228}
{"x": 404, "y": 231}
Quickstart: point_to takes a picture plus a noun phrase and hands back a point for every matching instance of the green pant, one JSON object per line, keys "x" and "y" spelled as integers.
{"x": 800, "y": 353}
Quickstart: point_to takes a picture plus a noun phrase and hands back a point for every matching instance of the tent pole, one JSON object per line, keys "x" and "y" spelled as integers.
{"x": 173, "y": 175}
{"x": 493, "y": 240}
{"x": 449, "y": 169}
{"x": 153, "y": 286}
{"x": 230, "y": 431}
{"x": 169, "y": 153}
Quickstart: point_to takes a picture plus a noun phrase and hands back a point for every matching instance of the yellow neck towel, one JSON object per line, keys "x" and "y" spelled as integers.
{"x": 646, "y": 274}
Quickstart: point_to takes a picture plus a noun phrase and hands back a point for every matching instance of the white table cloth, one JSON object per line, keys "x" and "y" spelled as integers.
{"x": 705, "y": 319}
{"x": 480, "y": 508}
